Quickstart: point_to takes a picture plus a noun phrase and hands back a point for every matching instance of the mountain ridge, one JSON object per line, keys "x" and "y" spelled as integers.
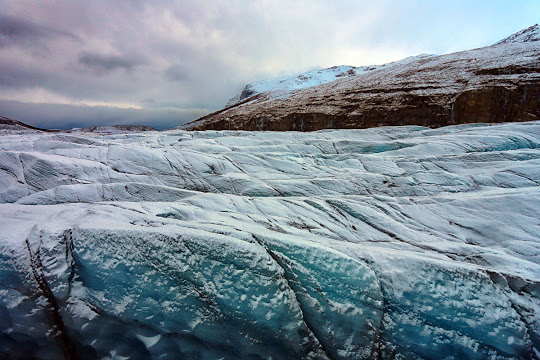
{"x": 309, "y": 79}
{"x": 497, "y": 83}
{"x": 530, "y": 34}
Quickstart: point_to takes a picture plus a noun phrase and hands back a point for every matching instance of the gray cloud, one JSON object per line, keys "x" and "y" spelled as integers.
{"x": 102, "y": 64}
{"x": 15, "y": 30}
{"x": 17, "y": 77}
{"x": 177, "y": 73}
{"x": 168, "y": 57}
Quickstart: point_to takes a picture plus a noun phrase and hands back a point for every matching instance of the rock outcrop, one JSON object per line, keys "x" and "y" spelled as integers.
{"x": 10, "y": 125}
{"x": 498, "y": 83}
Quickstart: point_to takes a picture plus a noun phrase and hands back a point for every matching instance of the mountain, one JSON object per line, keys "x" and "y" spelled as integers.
{"x": 498, "y": 83}
{"x": 383, "y": 243}
{"x": 302, "y": 81}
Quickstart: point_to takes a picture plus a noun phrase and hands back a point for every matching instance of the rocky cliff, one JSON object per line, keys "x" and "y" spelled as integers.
{"x": 498, "y": 83}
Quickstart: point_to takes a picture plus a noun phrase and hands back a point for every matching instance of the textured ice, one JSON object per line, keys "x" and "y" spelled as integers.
{"x": 404, "y": 243}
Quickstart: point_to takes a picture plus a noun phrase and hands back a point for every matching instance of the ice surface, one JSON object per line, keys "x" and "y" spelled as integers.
{"x": 384, "y": 243}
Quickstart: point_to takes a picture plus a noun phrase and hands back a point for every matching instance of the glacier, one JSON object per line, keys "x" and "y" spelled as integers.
{"x": 384, "y": 243}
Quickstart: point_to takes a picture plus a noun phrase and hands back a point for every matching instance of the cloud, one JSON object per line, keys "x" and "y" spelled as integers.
{"x": 16, "y": 30}
{"x": 14, "y": 77}
{"x": 103, "y": 64}
{"x": 65, "y": 116}
{"x": 37, "y": 95}
{"x": 176, "y": 73}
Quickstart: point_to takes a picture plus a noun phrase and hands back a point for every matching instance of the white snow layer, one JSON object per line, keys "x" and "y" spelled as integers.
{"x": 395, "y": 242}
{"x": 530, "y": 34}
{"x": 296, "y": 82}
{"x": 286, "y": 84}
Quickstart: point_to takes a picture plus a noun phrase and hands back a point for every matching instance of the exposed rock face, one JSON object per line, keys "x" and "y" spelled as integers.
{"x": 499, "y": 83}
{"x": 498, "y": 104}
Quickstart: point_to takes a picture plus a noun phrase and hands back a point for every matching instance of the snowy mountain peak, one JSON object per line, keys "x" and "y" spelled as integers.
{"x": 529, "y": 34}
{"x": 297, "y": 82}
{"x": 310, "y": 79}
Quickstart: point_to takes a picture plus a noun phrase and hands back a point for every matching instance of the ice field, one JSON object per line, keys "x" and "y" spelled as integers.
{"x": 393, "y": 242}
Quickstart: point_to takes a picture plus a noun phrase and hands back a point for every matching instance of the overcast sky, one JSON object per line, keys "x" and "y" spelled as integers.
{"x": 163, "y": 62}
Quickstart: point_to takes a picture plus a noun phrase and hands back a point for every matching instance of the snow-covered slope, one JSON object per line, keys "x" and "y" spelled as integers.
{"x": 530, "y": 34}
{"x": 396, "y": 242}
{"x": 302, "y": 81}
{"x": 11, "y": 126}
{"x": 498, "y": 83}
{"x": 284, "y": 85}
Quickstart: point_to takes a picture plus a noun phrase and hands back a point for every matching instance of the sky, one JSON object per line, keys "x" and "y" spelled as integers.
{"x": 162, "y": 63}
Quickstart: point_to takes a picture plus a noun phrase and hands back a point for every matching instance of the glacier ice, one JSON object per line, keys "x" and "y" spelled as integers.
{"x": 397, "y": 242}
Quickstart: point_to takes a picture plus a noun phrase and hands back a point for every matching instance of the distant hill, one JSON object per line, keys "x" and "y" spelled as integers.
{"x": 112, "y": 129}
{"x": 15, "y": 125}
{"x": 10, "y": 124}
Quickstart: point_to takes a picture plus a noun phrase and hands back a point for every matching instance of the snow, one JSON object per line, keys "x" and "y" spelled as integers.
{"x": 301, "y": 81}
{"x": 398, "y": 242}
{"x": 530, "y": 34}
{"x": 286, "y": 84}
